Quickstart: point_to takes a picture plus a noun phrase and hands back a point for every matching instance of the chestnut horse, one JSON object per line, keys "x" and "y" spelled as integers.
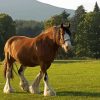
{"x": 40, "y": 50}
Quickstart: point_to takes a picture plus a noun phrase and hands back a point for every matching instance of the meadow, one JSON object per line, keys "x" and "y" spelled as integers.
{"x": 71, "y": 79}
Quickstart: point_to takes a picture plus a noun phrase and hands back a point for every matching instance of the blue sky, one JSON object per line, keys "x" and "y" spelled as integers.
{"x": 73, "y": 4}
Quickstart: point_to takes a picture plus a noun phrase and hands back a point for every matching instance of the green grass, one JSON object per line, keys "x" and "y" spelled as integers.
{"x": 72, "y": 80}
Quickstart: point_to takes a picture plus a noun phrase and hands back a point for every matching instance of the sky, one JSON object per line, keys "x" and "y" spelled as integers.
{"x": 73, "y": 4}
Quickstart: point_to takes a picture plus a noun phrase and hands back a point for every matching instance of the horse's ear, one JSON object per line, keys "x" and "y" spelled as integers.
{"x": 62, "y": 25}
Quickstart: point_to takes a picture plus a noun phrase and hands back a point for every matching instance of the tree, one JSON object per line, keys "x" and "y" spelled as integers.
{"x": 29, "y": 28}
{"x": 64, "y": 15}
{"x": 76, "y": 19}
{"x": 88, "y": 37}
{"x": 95, "y": 35}
{"x": 96, "y": 8}
{"x": 57, "y": 20}
{"x": 7, "y": 29}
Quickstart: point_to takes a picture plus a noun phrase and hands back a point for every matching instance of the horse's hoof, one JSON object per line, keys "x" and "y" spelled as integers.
{"x": 25, "y": 89}
{"x": 24, "y": 86}
{"x": 33, "y": 90}
{"x": 49, "y": 93}
{"x": 8, "y": 90}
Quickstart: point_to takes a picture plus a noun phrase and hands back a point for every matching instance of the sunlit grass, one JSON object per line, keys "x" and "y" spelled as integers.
{"x": 72, "y": 80}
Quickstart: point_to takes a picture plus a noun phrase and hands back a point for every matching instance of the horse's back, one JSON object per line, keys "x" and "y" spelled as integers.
{"x": 17, "y": 38}
{"x": 15, "y": 41}
{"x": 19, "y": 48}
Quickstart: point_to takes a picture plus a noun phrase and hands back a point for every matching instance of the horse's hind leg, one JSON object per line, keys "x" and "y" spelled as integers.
{"x": 34, "y": 88}
{"x": 23, "y": 82}
{"x": 8, "y": 74}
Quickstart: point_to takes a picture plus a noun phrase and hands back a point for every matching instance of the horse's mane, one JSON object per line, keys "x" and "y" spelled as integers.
{"x": 51, "y": 33}
{"x": 47, "y": 30}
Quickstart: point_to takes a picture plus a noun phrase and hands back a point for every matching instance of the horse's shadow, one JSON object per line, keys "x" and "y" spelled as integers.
{"x": 78, "y": 93}
{"x": 72, "y": 93}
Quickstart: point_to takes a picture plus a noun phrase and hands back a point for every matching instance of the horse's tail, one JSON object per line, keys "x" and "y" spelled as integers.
{"x": 5, "y": 68}
{"x": 8, "y": 66}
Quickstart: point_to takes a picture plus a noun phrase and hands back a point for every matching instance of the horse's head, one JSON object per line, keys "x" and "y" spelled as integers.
{"x": 64, "y": 37}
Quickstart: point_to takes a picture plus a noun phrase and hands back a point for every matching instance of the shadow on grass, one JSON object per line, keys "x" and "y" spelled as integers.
{"x": 78, "y": 93}
{"x": 68, "y": 93}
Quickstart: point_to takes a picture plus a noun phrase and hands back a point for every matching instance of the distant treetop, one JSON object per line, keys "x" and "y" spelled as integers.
{"x": 96, "y": 8}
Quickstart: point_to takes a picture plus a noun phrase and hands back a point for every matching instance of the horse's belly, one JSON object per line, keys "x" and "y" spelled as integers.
{"x": 28, "y": 63}
{"x": 26, "y": 59}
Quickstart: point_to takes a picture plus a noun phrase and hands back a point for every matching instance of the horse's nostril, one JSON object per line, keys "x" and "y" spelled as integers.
{"x": 68, "y": 48}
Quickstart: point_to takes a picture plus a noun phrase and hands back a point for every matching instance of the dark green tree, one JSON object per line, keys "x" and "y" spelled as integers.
{"x": 28, "y": 28}
{"x": 64, "y": 16}
{"x": 7, "y": 29}
{"x": 88, "y": 38}
{"x": 57, "y": 19}
{"x": 76, "y": 18}
{"x": 95, "y": 35}
{"x": 96, "y": 8}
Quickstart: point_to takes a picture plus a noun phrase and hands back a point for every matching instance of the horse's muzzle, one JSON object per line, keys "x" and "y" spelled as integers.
{"x": 67, "y": 48}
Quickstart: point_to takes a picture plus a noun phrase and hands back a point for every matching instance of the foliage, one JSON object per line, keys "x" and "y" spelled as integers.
{"x": 76, "y": 18}
{"x": 79, "y": 12}
{"x": 96, "y": 8}
{"x": 86, "y": 32}
{"x": 7, "y": 29}
{"x": 57, "y": 20}
{"x": 28, "y": 28}
{"x": 88, "y": 35}
{"x": 7, "y": 26}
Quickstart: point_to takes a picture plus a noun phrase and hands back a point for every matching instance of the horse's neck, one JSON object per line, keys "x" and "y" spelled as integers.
{"x": 52, "y": 36}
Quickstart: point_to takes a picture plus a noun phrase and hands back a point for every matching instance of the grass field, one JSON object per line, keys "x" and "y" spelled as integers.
{"x": 72, "y": 80}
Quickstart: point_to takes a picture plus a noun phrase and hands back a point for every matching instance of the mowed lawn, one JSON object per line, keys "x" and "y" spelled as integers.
{"x": 72, "y": 80}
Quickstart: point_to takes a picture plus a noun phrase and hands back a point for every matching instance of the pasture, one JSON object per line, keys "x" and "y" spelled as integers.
{"x": 72, "y": 80}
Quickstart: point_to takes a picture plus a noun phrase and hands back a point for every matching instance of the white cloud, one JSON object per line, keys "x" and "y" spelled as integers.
{"x": 73, "y": 4}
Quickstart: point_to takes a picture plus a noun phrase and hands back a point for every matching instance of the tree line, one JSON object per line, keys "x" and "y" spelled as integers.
{"x": 87, "y": 32}
{"x": 85, "y": 28}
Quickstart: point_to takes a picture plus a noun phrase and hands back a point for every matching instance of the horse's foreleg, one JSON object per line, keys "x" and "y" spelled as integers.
{"x": 34, "y": 88}
{"x": 23, "y": 82}
{"x": 48, "y": 91}
{"x": 7, "y": 87}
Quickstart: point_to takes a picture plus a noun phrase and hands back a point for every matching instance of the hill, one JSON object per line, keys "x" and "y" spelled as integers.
{"x": 30, "y": 9}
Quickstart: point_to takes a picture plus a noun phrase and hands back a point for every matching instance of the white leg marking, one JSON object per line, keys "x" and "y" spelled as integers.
{"x": 23, "y": 82}
{"x": 48, "y": 91}
{"x": 7, "y": 87}
{"x": 34, "y": 88}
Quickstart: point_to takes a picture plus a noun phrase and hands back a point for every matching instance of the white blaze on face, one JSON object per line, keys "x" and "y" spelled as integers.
{"x": 67, "y": 45}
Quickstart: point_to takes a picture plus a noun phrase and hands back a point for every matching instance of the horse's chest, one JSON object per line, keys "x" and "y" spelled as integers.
{"x": 46, "y": 56}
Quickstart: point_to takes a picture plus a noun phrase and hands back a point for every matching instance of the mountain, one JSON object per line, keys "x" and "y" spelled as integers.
{"x": 30, "y": 9}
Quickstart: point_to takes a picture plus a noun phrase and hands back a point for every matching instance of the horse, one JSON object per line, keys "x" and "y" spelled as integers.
{"x": 40, "y": 50}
